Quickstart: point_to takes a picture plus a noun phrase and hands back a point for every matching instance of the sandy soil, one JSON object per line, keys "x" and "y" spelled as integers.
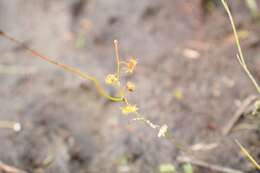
{"x": 63, "y": 116}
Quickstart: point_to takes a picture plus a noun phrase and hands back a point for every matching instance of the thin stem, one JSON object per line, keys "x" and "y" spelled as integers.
{"x": 117, "y": 59}
{"x": 140, "y": 117}
{"x": 70, "y": 69}
{"x": 240, "y": 52}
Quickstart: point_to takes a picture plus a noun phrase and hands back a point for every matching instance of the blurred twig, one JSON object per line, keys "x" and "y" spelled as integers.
{"x": 185, "y": 159}
{"x": 10, "y": 125}
{"x": 9, "y": 169}
{"x": 241, "y": 110}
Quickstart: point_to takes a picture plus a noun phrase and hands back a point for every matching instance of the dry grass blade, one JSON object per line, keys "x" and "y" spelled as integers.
{"x": 242, "y": 62}
{"x": 240, "y": 55}
{"x": 248, "y": 155}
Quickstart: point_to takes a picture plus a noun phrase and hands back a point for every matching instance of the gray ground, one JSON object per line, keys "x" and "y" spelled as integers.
{"x": 64, "y": 116}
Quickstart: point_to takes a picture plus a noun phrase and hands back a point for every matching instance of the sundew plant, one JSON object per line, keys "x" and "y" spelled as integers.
{"x": 123, "y": 67}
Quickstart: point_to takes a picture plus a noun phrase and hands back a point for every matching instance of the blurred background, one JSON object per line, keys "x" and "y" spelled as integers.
{"x": 187, "y": 77}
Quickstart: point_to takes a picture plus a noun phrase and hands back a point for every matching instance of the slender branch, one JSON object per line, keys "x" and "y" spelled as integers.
{"x": 68, "y": 68}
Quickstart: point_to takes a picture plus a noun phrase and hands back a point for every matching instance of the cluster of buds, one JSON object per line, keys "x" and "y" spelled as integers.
{"x": 128, "y": 108}
{"x": 113, "y": 79}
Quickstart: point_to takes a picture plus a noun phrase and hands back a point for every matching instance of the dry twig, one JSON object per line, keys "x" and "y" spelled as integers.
{"x": 9, "y": 169}
{"x": 248, "y": 101}
{"x": 184, "y": 159}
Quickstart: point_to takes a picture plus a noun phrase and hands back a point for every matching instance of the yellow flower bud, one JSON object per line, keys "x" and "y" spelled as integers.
{"x": 112, "y": 79}
{"x": 130, "y": 86}
{"x": 129, "y": 109}
{"x": 131, "y": 65}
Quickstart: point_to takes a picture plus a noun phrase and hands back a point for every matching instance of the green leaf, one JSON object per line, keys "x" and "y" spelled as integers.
{"x": 167, "y": 168}
{"x": 187, "y": 168}
{"x": 252, "y": 7}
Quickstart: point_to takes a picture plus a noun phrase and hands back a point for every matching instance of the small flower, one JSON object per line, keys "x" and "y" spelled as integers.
{"x": 130, "y": 86}
{"x": 129, "y": 109}
{"x": 163, "y": 130}
{"x": 131, "y": 65}
{"x": 178, "y": 94}
{"x": 112, "y": 79}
